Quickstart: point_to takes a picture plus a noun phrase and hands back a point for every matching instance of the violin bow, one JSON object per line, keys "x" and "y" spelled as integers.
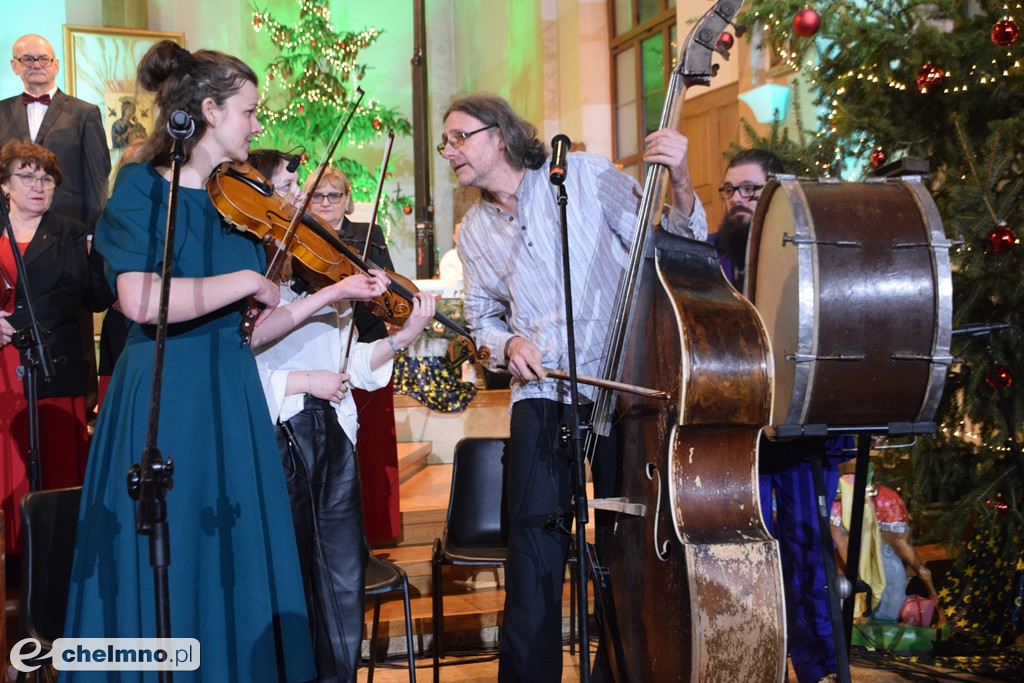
{"x": 369, "y": 232}
{"x": 274, "y": 267}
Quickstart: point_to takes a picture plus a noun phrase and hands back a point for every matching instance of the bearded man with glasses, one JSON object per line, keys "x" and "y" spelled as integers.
{"x": 785, "y": 475}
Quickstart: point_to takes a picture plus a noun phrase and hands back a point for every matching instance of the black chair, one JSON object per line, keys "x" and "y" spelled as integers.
{"x": 49, "y": 522}
{"x": 476, "y": 526}
{"x": 384, "y": 576}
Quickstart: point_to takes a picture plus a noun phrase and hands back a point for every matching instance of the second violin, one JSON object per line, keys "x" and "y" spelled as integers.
{"x": 248, "y": 201}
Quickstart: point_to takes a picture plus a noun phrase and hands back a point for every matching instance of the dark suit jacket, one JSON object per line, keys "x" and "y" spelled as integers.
{"x": 57, "y": 266}
{"x": 370, "y": 327}
{"x": 73, "y": 130}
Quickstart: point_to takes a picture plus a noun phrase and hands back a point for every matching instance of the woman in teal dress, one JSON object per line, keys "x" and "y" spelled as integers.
{"x": 234, "y": 579}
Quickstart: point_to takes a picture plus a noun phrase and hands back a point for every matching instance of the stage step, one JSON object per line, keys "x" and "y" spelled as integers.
{"x": 473, "y": 595}
{"x": 412, "y": 458}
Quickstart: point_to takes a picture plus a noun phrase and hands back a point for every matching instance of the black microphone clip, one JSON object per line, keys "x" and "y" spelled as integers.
{"x": 559, "y": 149}
{"x": 180, "y": 125}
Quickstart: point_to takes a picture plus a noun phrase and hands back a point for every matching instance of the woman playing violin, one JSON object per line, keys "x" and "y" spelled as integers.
{"x": 234, "y": 580}
{"x": 316, "y": 419}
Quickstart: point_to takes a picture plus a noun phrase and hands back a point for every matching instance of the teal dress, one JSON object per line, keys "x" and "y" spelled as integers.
{"x": 234, "y": 579}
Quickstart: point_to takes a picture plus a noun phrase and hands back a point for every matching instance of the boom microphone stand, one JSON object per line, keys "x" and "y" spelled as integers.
{"x": 31, "y": 340}
{"x": 149, "y": 483}
{"x": 560, "y": 147}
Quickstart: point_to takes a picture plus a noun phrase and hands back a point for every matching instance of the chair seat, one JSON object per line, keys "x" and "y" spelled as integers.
{"x": 382, "y": 576}
{"x": 453, "y": 554}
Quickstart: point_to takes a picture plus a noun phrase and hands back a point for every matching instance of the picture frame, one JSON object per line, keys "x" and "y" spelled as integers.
{"x": 100, "y": 65}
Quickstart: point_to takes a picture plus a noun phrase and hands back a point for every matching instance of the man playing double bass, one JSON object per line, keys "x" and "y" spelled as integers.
{"x": 510, "y": 247}
{"x": 785, "y": 475}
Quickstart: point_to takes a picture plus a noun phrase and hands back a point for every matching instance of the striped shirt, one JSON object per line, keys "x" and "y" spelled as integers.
{"x": 513, "y": 266}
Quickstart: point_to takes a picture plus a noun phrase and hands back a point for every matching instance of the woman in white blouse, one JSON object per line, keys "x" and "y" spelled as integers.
{"x": 306, "y": 376}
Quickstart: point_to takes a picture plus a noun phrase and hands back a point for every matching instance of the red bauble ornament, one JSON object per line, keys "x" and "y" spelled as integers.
{"x": 725, "y": 41}
{"x": 270, "y": 77}
{"x": 806, "y": 22}
{"x": 1001, "y": 239}
{"x": 999, "y": 377}
{"x": 1004, "y": 32}
{"x": 407, "y": 210}
{"x": 377, "y": 124}
{"x": 878, "y": 158}
{"x": 302, "y": 109}
{"x": 930, "y": 77}
{"x": 1000, "y": 505}
{"x": 256, "y": 21}
{"x": 303, "y": 158}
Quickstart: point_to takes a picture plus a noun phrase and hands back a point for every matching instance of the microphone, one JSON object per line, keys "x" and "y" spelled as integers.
{"x": 559, "y": 150}
{"x": 979, "y": 329}
{"x": 293, "y": 163}
{"x": 180, "y": 125}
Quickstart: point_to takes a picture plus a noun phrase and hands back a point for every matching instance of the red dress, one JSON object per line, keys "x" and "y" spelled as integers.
{"x": 63, "y": 436}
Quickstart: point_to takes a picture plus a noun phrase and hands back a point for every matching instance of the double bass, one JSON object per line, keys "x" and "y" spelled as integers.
{"x": 694, "y": 577}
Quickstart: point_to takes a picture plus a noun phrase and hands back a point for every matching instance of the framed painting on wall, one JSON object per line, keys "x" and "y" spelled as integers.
{"x": 100, "y": 66}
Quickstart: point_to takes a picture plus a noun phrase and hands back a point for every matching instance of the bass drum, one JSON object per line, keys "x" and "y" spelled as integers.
{"x": 853, "y": 283}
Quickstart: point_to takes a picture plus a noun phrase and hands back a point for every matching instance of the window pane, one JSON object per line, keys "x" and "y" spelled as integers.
{"x": 673, "y": 41}
{"x": 625, "y": 103}
{"x": 652, "y": 68}
{"x": 623, "y": 16}
{"x": 648, "y": 9}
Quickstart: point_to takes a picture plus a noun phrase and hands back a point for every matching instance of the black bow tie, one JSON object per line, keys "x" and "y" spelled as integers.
{"x": 27, "y": 99}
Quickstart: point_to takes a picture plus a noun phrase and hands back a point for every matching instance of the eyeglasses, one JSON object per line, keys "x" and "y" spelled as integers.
{"x": 745, "y": 191}
{"x": 457, "y": 140}
{"x": 29, "y": 180}
{"x": 29, "y": 60}
{"x": 329, "y": 197}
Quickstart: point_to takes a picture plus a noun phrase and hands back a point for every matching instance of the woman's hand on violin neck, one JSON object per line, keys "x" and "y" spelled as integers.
{"x": 265, "y": 298}
{"x": 361, "y": 286}
{"x": 423, "y": 308}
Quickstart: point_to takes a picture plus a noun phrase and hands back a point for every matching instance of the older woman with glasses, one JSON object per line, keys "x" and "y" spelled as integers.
{"x": 378, "y": 450}
{"x": 57, "y": 269}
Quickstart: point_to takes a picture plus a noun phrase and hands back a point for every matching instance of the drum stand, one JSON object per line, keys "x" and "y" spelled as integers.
{"x": 841, "y": 588}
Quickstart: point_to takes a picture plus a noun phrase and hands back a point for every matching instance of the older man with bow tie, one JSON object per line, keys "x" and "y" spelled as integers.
{"x": 65, "y": 125}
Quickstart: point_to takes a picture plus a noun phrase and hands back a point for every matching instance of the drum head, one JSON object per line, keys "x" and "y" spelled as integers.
{"x": 851, "y": 280}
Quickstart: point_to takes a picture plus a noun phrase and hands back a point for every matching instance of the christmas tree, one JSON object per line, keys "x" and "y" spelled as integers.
{"x": 312, "y": 85}
{"x": 942, "y": 81}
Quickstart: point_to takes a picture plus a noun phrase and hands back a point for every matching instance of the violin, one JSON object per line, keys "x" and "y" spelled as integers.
{"x": 247, "y": 200}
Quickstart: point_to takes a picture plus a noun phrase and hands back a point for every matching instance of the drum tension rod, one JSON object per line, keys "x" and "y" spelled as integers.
{"x": 807, "y": 240}
{"x": 809, "y": 358}
{"x": 941, "y": 360}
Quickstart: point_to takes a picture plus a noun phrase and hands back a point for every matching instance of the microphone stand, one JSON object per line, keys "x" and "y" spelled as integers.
{"x": 149, "y": 483}
{"x": 31, "y": 340}
{"x": 575, "y": 430}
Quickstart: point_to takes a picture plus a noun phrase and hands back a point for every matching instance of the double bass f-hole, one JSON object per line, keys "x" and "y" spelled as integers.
{"x": 661, "y": 551}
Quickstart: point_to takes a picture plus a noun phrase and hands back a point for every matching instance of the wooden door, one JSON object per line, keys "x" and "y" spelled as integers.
{"x": 711, "y": 123}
